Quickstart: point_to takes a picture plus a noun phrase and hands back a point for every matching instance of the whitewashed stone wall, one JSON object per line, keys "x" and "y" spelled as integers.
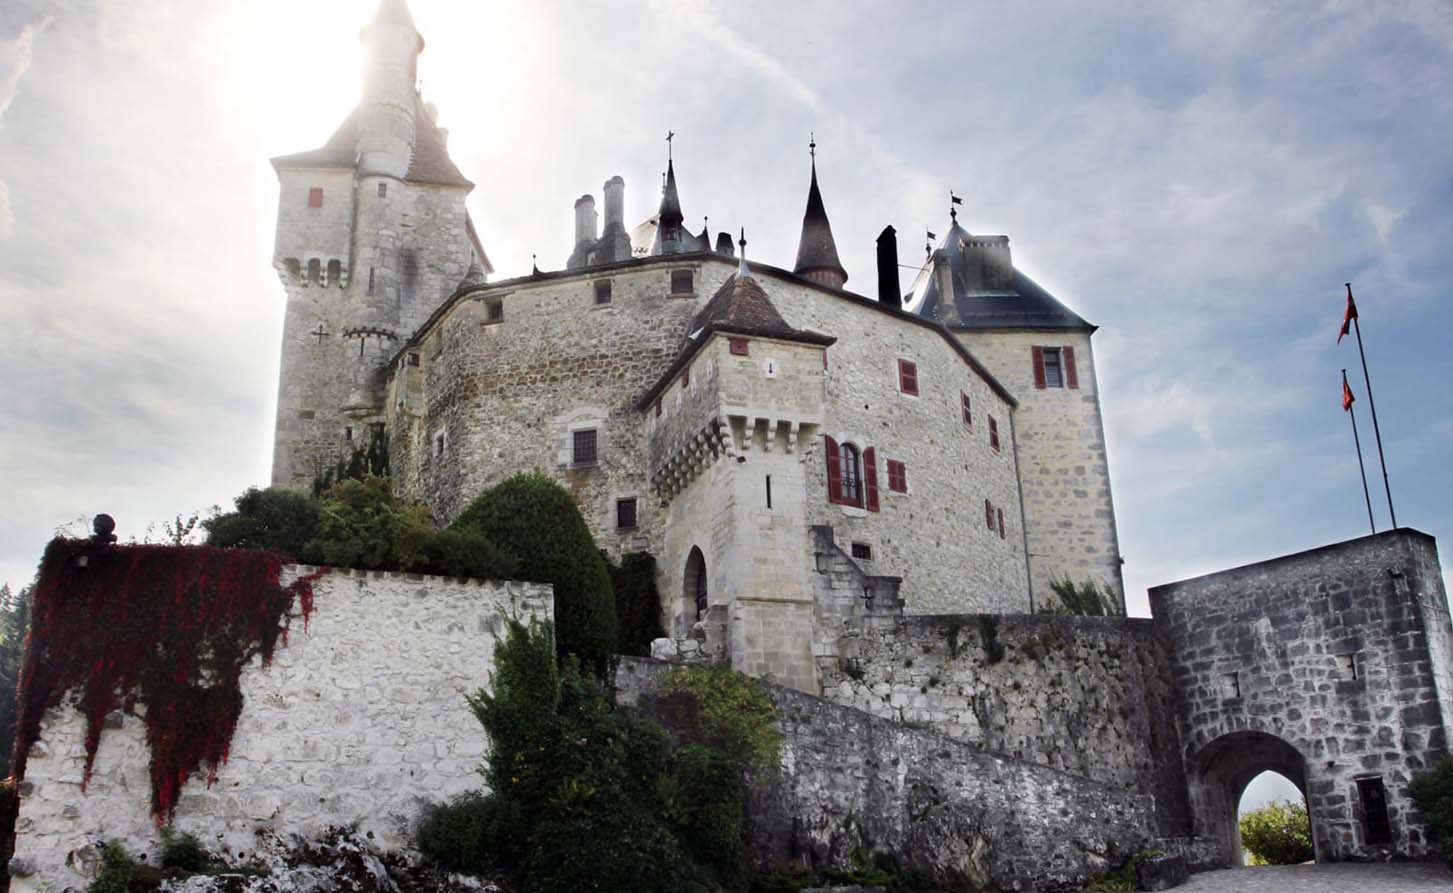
{"x": 1070, "y": 516}
{"x": 361, "y": 719}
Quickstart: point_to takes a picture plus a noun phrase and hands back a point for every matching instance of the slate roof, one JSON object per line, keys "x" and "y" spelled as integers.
{"x": 430, "y": 163}
{"x": 816, "y": 250}
{"x": 739, "y": 307}
{"x": 1024, "y": 304}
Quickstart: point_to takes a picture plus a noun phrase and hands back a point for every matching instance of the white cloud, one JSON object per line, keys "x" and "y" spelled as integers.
{"x": 18, "y": 54}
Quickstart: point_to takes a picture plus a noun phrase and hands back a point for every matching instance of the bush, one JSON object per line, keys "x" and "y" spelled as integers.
{"x": 117, "y": 872}
{"x": 277, "y": 519}
{"x": 363, "y": 525}
{"x": 182, "y": 851}
{"x": 1432, "y": 793}
{"x": 637, "y": 602}
{"x": 1084, "y": 600}
{"x": 535, "y": 518}
{"x": 726, "y": 710}
{"x": 457, "y": 834}
{"x": 1277, "y": 834}
{"x": 709, "y": 807}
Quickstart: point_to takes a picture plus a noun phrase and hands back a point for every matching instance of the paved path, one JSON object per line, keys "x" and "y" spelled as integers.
{"x": 1330, "y": 878}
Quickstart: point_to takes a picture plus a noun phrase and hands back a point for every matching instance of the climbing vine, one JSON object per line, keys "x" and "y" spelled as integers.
{"x": 164, "y": 628}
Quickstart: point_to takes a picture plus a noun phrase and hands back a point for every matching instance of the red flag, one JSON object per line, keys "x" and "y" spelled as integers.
{"x": 1347, "y": 398}
{"x": 1347, "y": 317}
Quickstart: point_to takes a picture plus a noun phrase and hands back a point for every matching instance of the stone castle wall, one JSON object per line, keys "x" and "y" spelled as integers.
{"x": 1329, "y": 666}
{"x": 1087, "y": 695}
{"x": 1069, "y": 513}
{"x": 362, "y": 718}
{"x": 852, "y": 784}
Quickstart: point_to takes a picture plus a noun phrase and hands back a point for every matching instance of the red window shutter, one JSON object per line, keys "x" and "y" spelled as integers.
{"x": 870, "y": 477}
{"x": 968, "y": 409}
{"x": 738, "y": 347}
{"x": 658, "y": 406}
{"x": 989, "y": 514}
{"x": 824, "y": 358}
{"x": 908, "y": 377}
{"x": 686, "y": 377}
{"x": 1038, "y": 353}
{"x": 1067, "y": 356}
{"x": 1000, "y": 512}
{"x": 993, "y": 433}
{"x": 834, "y": 470}
{"x": 315, "y": 197}
{"x": 897, "y": 476}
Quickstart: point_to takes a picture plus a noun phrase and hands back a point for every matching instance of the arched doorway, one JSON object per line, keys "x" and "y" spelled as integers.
{"x": 694, "y": 602}
{"x": 1223, "y": 770}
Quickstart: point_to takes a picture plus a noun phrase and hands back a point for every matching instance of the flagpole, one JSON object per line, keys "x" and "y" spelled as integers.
{"x": 1372, "y": 405}
{"x": 1366, "y": 495}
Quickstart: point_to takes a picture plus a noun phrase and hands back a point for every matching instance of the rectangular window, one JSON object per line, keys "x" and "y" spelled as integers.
{"x": 583, "y": 448}
{"x": 1230, "y": 685}
{"x": 769, "y": 491}
{"x": 968, "y": 409}
{"x": 738, "y": 346}
{"x": 1053, "y": 375}
{"x": 1054, "y": 367}
{"x": 993, "y": 433}
{"x": 383, "y": 190}
{"x": 1347, "y": 667}
{"x": 626, "y": 514}
{"x": 1000, "y": 514}
{"x": 908, "y": 377}
{"x": 602, "y": 292}
{"x": 413, "y": 359}
{"x": 495, "y": 311}
{"x": 862, "y": 551}
{"x": 315, "y": 197}
{"x": 897, "y": 476}
{"x": 682, "y": 282}
{"x": 1375, "y": 825}
{"x": 347, "y": 433}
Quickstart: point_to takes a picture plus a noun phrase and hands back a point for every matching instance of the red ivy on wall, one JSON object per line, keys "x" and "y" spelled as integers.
{"x": 167, "y": 628}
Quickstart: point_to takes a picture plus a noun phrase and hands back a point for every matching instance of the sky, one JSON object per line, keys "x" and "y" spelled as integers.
{"x": 1198, "y": 179}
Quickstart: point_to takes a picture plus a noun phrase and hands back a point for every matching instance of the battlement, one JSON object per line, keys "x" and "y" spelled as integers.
{"x": 322, "y": 272}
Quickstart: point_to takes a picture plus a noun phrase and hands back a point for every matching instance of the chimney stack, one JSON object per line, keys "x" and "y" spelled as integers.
{"x": 585, "y": 219}
{"x": 889, "y": 293}
{"x": 614, "y": 191}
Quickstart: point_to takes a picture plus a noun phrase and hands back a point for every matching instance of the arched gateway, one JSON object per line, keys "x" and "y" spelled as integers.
{"x": 1222, "y": 770}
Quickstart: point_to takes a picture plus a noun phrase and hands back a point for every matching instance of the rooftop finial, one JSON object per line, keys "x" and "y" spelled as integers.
{"x": 670, "y": 135}
{"x": 742, "y": 271}
{"x": 812, "y": 146}
{"x": 953, "y": 200}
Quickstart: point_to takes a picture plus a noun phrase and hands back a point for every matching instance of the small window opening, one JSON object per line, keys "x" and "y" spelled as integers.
{"x": 347, "y": 433}
{"x": 769, "y": 491}
{"x": 370, "y": 280}
{"x": 1375, "y": 825}
{"x": 682, "y": 282}
{"x": 626, "y": 514}
{"x": 335, "y": 272}
{"x": 1347, "y": 667}
{"x": 382, "y": 190}
{"x": 315, "y": 197}
{"x": 583, "y": 447}
{"x": 602, "y": 292}
{"x": 495, "y": 311}
{"x": 315, "y": 271}
{"x": 413, "y": 359}
{"x": 862, "y": 551}
{"x": 1053, "y": 370}
{"x": 441, "y": 442}
{"x": 851, "y": 490}
{"x": 993, "y": 433}
{"x": 1231, "y": 685}
{"x": 738, "y": 347}
{"x": 968, "y": 410}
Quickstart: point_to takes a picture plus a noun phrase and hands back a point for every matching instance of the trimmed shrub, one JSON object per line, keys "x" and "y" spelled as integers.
{"x": 453, "y": 553}
{"x": 1432, "y": 793}
{"x": 276, "y": 520}
{"x": 531, "y": 516}
{"x": 638, "y": 603}
{"x": 1277, "y": 834}
{"x": 182, "y": 850}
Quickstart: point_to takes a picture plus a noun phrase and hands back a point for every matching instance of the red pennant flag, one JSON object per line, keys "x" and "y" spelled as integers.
{"x": 1347, "y": 398}
{"x": 1347, "y": 317}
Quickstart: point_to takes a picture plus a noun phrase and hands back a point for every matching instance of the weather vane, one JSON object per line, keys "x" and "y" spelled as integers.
{"x": 953, "y": 200}
{"x": 812, "y": 146}
{"x": 670, "y": 135}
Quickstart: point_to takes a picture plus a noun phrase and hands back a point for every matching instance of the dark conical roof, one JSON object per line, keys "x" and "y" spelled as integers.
{"x": 816, "y": 250}
{"x": 670, "y": 213}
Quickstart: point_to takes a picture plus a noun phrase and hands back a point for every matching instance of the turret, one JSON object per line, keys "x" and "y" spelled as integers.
{"x": 671, "y": 235}
{"x": 387, "y": 112}
{"x": 816, "y": 251}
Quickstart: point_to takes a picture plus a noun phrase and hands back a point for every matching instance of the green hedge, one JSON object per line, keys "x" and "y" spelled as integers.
{"x": 1432, "y": 793}
{"x": 533, "y": 517}
{"x": 276, "y": 519}
{"x": 637, "y": 603}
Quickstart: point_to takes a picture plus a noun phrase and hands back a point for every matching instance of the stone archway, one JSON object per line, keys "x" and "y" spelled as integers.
{"x": 1220, "y": 774}
{"x": 694, "y": 600}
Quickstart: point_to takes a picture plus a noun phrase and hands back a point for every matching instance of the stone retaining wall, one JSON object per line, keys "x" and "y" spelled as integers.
{"x": 360, "y": 719}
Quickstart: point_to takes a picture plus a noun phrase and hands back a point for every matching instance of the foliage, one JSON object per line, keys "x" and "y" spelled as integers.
{"x": 276, "y": 519}
{"x": 726, "y": 710}
{"x": 637, "y": 603}
{"x": 360, "y": 464}
{"x": 1432, "y": 793}
{"x": 1085, "y": 600}
{"x": 1277, "y": 834}
{"x": 363, "y": 525}
{"x": 168, "y": 628}
{"x": 708, "y": 805}
{"x": 457, "y": 834}
{"x": 531, "y": 516}
{"x": 14, "y": 624}
{"x": 182, "y": 850}
{"x": 117, "y": 872}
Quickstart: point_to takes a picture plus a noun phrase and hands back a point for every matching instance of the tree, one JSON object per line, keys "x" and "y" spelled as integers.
{"x": 531, "y": 516}
{"x": 1432, "y": 793}
{"x": 14, "y": 624}
{"x": 277, "y": 519}
{"x": 1277, "y": 834}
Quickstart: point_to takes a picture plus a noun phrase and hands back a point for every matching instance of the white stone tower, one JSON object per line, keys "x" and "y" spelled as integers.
{"x": 372, "y": 236}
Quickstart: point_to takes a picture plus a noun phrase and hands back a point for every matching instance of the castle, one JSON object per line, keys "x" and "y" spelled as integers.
{"x": 743, "y": 423}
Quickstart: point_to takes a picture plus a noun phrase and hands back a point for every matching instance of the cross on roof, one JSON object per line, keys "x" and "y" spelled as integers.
{"x": 320, "y": 334}
{"x": 670, "y": 135}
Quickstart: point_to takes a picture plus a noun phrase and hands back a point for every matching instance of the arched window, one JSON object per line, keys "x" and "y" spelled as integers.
{"x": 693, "y": 588}
{"x": 852, "y": 475}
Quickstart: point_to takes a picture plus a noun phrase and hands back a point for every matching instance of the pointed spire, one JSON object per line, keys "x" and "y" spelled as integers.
{"x": 743, "y": 272}
{"x": 671, "y": 237}
{"x": 817, "y": 257}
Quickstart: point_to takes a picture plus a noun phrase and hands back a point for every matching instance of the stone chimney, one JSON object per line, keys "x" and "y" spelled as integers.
{"x": 889, "y": 292}
{"x": 614, "y": 191}
{"x": 987, "y": 265}
{"x": 585, "y": 234}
